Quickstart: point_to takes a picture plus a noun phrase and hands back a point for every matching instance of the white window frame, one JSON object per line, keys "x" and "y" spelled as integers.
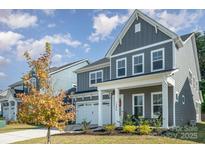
{"x": 137, "y": 27}
{"x": 117, "y": 76}
{"x": 152, "y": 102}
{"x": 94, "y": 72}
{"x": 163, "y": 59}
{"x": 133, "y": 64}
{"x": 143, "y": 104}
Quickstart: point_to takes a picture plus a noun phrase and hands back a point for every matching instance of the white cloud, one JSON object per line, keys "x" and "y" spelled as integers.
{"x": 69, "y": 54}
{"x": 2, "y": 75}
{"x": 86, "y": 47}
{"x": 49, "y": 12}
{"x": 51, "y": 25}
{"x": 16, "y": 20}
{"x": 103, "y": 25}
{"x": 8, "y": 39}
{"x": 36, "y": 47}
{"x": 57, "y": 60}
{"x": 4, "y": 61}
{"x": 176, "y": 21}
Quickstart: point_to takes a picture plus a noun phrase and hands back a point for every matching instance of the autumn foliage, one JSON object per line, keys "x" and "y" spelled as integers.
{"x": 39, "y": 106}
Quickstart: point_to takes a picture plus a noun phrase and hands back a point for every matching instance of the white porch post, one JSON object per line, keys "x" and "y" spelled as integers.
{"x": 174, "y": 101}
{"x": 100, "y": 108}
{"x": 165, "y": 104}
{"x": 9, "y": 107}
{"x": 117, "y": 116}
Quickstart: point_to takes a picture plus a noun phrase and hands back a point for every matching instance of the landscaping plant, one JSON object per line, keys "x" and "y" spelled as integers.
{"x": 85, "y": 125}
{"x": 110, "y": 128}
{"x": 40, "y": 106}
{"x": 144, "y": 129}
{"x": 129, "y": 128}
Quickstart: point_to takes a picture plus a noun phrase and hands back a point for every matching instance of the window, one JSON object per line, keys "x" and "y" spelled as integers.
{"x": 190, "y": 77}
{"x": 96, "y": 77}
{"x": 157, "y": 58}
{"x": 177, "y": 97}
{"x": 156, "y": 104}
{"x": 33, "y": 82}
{"x": 121, "y": 67}
{"x": 183, "y": 99}
{"x": 137, "y": 27}
{"x": 138, "y": 64}
{"x": 138, "y": 105}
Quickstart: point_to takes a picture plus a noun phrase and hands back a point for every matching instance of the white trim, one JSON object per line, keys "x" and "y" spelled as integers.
{"x": 143, "y": 104}
{"x": 117, "y": 60}
{"x": 163, "y": 59}
{"x": 174, "y": 55}
{"x": 69, "y": 66}
{"x": 151, "y": 21}
{"x": 137, "y": 55}
{"x": 152, "y": 105}
{"x": 95, "y": 76}
{"x": 142, "y": 48}
{"x": 92, "y": 68}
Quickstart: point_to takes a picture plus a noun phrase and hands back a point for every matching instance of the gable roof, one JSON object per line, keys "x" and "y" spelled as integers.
{"x": 18, "y": 83}
{"x": 151, "y": 21}
{"x": 185, "y": 36}
{"x": 99, "y": 63}
{"x": 57, "y": 69}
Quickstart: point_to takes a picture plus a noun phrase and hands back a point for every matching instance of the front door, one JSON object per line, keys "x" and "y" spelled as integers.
{"x": 121, "y": 108}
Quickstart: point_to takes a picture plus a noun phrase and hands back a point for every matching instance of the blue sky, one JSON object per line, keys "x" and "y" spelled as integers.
{"x": 74, "y": 34}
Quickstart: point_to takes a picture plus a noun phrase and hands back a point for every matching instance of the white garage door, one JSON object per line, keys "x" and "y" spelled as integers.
{"x": 89, "y": 111}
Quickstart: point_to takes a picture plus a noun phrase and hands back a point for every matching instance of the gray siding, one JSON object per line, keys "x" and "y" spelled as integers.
{"x": 83, "y": 79}
{"x": 185, "y": 61}
{"x": 146, "y": 36}
{"x": 147, "y": 92}
{"x": 147, "y": 59}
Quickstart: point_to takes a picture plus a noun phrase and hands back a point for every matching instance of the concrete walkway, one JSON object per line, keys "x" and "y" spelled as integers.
{"x": 12, "y": 137}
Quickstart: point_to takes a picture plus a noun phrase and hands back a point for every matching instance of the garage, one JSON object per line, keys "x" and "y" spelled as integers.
{"x": 89, "y": 111}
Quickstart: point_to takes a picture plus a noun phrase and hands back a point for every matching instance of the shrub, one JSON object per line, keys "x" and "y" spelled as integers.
{"x": 110, "y": 128}
{"x": 129, "y": 128}
{"x": 144, "y": 129}
{"x": 86, "y": 125}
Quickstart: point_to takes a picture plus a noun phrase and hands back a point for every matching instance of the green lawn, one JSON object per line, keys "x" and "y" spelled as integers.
{"x": 16, "y": 127}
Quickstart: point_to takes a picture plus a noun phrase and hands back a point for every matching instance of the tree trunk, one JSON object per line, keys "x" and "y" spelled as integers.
{"x": 49, "y": 136}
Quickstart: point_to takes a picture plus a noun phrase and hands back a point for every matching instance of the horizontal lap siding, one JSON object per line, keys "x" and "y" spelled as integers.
{"x": 83, "y": 79}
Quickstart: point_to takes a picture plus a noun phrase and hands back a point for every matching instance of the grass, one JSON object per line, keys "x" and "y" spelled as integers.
{"x": 16, "y": 127}
{"x": 119, "y": 139}
{"x": 99, "y": 139}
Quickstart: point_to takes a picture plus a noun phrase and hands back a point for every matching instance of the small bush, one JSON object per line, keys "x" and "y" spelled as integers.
{"x": 110, "y": 128}
{"x": 145, "y": 129}
{"x": 129, "y": 128}
{"x": 85, "y": 125}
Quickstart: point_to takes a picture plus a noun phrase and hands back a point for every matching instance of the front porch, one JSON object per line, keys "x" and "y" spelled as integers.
{"x": 147, "y": 97}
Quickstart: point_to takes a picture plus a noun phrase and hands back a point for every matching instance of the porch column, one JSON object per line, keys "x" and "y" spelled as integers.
{"x": 165, "y": 117}
{"x": 9, "y": 107}
{"x": 117, "y": 116}
{"x": 100, "y": 108}
{"x": 174, "y": 102}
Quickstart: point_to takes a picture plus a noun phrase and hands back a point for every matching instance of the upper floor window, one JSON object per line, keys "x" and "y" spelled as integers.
{"x": 96, "y": 77}
{"x": 137, "y": 27}
{"x": 33, "y": 82}
{"x": 157, "y": 59}
{"x": 138, "y": 64}
{"x": 121, "y": 65}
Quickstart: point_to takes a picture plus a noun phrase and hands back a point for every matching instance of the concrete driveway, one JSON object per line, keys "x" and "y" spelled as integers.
{"x": 12, "y": 137}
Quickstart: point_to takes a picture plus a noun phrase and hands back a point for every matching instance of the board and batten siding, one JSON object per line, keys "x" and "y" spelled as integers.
{"x": 83, "y": 79}
{"x": 147, "y": 96}
{"x": 146, "y": 36}
{"x": 184, "y": 62}
{"x": 168, "y": 54}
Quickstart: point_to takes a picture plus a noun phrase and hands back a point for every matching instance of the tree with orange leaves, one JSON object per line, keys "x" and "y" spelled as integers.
{"x": 40, "y": 106}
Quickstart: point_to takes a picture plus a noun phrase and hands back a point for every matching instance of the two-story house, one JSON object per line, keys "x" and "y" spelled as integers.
{"x": 62, "y": 78}
{"x": 149, "y": 71}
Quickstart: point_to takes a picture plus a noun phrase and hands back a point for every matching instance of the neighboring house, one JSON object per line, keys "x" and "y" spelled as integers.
{"x": 149, "y": 71}
{"x": 62, "y": 78}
